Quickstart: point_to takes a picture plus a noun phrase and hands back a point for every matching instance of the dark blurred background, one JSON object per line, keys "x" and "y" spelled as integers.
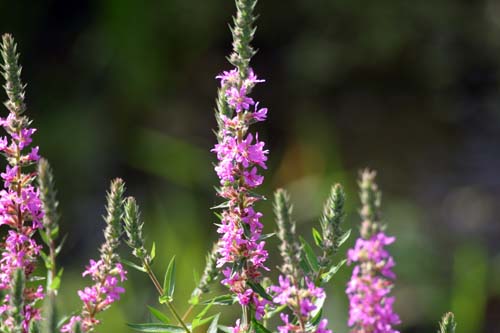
{"x": 410, "y": 88}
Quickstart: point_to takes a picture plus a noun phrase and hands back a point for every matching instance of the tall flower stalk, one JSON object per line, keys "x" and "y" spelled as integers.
{"x": 20, "y": 205}
{"x": 240, "y": 156}
{"x": 50, "y": 234}
{"x": 297, "y": 289}
{"x": 107, "y": 272}
{"x": 370, "y": 303}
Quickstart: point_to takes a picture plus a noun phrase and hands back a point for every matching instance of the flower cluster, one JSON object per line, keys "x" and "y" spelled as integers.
{"x": 107, "y": 272}
{"x": 370, "y": 285}
{"x": 241, "y": 155}
{"x": 100, "y": 296}
{"x": 239, "y": 158}
{"x": 20, "y": 205}
{"x": 302, "y": 301}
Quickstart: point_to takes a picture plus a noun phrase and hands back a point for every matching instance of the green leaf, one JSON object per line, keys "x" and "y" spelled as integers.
{"x": 131, "y": 264}
{"x": 61, "y": 244}
{"x": 310, "y": 256}
{"x": 344, "y": 237}
{"x": 198, "y": 320}
{"x": 326, "y": 277}
{"x": 156, "y": 328}
{"x": 44, "y": 237}
{"x": 222, "y": 205}
{"x": 225, "y": 329}
{"x": 259, "y": 328}
{"x": 279, "y": 309}
{"x": 304, "y": 266}
{"x": 169, "y": 281}
{"x": 317, "y": 237}
{"x": 316, "y": 319}
{"x": 260, "y": 290}
{"x": 56, "y": 282}
{"x": 201, "y": 322}
{"x": 46, "y": 260}
{"x": 153, "y": 251}
{"x": 222, "y": 300}
{"x": 318, "y": 303}
{"x": 158, "y": 315}
{"x": 213, "y": 325}
{"x": 54, "y": 233}
{"x": 266, "y": 236}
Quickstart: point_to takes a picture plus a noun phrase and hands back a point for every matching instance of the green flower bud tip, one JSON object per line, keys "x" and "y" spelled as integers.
{"x": 289, "y": 247}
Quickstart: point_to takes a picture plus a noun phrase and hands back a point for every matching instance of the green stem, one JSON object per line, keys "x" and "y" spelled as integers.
{"x": 188, "y": 312}
{"x": 176, "y": 315}
{"x": 160, "y": 290}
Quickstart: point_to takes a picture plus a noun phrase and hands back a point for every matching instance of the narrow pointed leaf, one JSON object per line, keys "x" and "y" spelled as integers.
{"x": 259, "y": 328}
{"x": 158, "y": 315}
{"x": 169, "y": 281}
{"x": 132, "y": 265}
{"x": 317, "y": 237}
{"x": 156, "y": 328}
{"x": 222, "y": 300}
{"x": 153, "y": 251}
{"x": 326, "y": 277}
{"x": 344, "y": 237}
{"x": 311, "y": 258}
{"x": 260, "y": 290}
{"x": 213, "y": 325}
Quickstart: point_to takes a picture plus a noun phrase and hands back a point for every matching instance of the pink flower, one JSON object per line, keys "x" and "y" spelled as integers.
{"x": 370, "y": 307}
{"x": 70, "y": 326}
{"x": 237, "y": 328}
{"x": 322, "y": 327}
{"x": 237, "y": 99}
{"x": 228, "y": 77}
{"x": 9, "y": 175}
{"x": 33, "y": 155}
{"x": 259, "y": 114}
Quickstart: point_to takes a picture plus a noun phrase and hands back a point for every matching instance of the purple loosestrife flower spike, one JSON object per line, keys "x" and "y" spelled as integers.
{"x": 295, "y": 290}
{"x": 241, "y": 156}
{"x": 20, "y": 206}
{"x": 107, "y": 272}
{"x": 370, "y": 303}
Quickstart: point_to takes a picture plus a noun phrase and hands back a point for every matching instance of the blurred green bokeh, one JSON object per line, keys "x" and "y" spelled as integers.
{"x": 126, "y": 88}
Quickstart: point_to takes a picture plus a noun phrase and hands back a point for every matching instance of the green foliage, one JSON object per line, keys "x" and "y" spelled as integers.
{"x": 159, "y": 315}
{"x": 169, "y": 280}
{"x": 156, "y": 328}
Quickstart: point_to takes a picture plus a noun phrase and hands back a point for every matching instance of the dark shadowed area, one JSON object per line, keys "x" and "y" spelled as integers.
{"x": 123, "y": 88}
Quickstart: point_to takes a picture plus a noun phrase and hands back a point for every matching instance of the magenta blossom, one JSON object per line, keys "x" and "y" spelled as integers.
{"x": 370, "y": 306}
